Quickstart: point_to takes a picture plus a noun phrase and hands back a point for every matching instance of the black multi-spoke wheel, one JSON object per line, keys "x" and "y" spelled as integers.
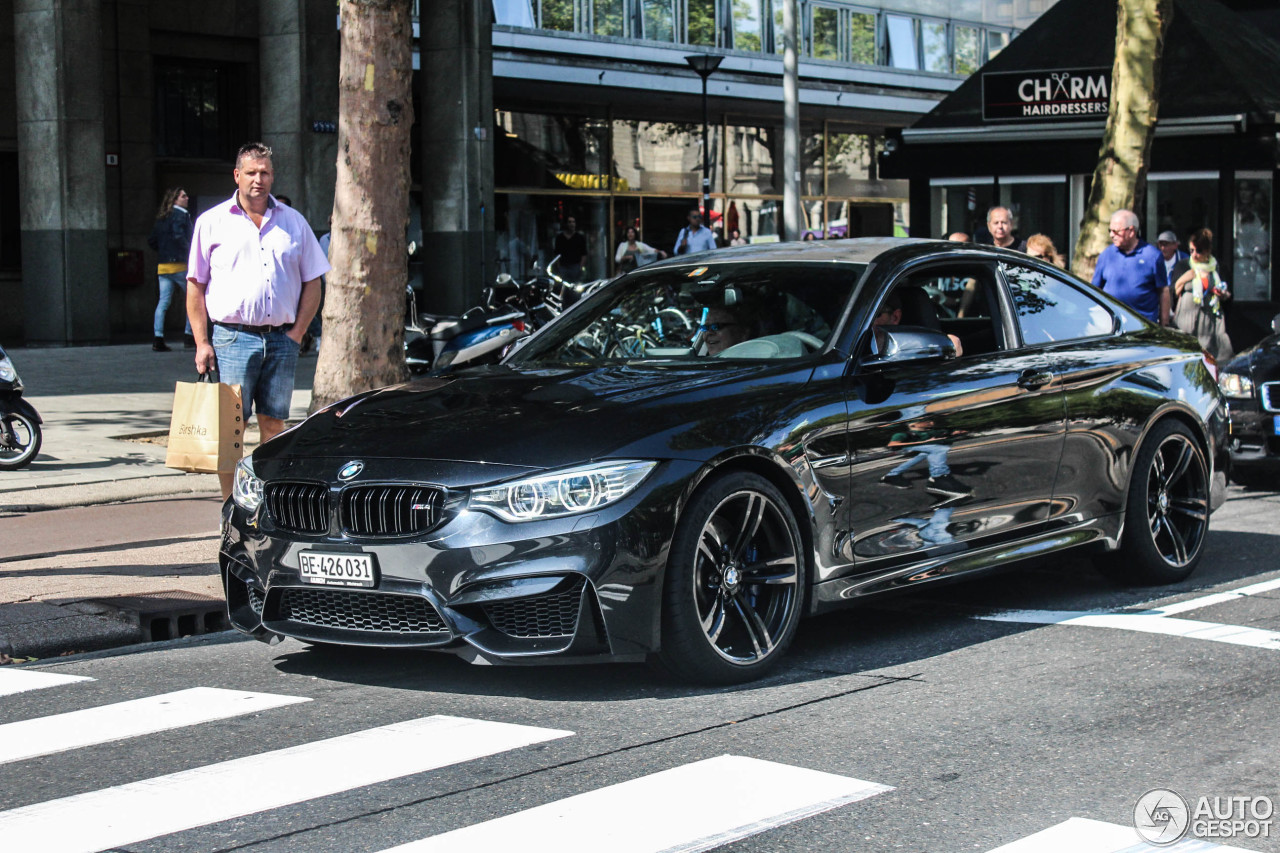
{"x": 735, "y": 582}
{"x": 19, "y": 441}
{"x": 1167, "y": 515}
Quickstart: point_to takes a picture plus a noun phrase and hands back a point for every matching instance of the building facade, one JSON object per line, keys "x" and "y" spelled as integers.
{"x": 528, "y": 111}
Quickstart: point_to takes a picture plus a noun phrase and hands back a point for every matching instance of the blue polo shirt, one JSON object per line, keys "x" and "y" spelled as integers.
{"x": 1135, "y": 278}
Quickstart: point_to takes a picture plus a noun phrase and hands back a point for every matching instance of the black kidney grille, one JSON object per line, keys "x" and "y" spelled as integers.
{"x": 1271, "y": 396}
{"x": 361, "y": 611}
{"x": 300, "y": 507}
{"x": 390, "y": 510}
{"x": 553, "y": 615}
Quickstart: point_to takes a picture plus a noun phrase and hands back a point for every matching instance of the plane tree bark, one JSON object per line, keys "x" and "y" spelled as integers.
{"x": 1120, "y": 178}
{"x": 363, "y": 338}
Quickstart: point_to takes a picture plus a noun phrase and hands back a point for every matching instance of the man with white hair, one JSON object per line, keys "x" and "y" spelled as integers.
{"x": 1132, "y": 270}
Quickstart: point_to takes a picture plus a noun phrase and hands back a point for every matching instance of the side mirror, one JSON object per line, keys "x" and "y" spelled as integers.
{"x": 913, "y": 343}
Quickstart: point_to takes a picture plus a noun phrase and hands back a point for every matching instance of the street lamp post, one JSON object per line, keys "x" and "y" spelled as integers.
{"x": 705, "y": 65}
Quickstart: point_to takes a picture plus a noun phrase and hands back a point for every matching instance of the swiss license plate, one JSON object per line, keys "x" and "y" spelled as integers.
{"x": 333, "y": 569}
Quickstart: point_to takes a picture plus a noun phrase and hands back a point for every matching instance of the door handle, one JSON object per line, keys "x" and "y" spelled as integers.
{"x": 1034, "y": 378}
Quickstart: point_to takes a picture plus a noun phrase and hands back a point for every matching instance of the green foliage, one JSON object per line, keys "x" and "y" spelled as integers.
{"x": 557, "y": 15}
{"x": 862, "y": 38}
{"x": 607, "y": 17}
{"x": 702, "y": 22}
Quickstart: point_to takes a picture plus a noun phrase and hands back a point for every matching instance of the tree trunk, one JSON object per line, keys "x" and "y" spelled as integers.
{"x": 364, "y": 307}
{"x": 1120, "y": 179}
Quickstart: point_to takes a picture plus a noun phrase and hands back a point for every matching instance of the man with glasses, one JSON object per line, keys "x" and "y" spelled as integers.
{"x": 694, "y": 237}
{"x": 723, "y": 327}
{"x": 1132, "y": 270}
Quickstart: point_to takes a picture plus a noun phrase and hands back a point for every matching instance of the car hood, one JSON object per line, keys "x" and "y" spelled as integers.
{"x": 1261, "y": 361}
{"x": 545, "y": 417}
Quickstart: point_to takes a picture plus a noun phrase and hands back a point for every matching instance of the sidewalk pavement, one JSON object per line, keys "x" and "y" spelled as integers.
{"x": 103, "y": 409}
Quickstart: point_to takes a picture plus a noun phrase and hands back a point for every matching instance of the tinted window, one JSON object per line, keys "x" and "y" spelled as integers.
{"x": 1051, "y": 310}
{"x": 727, "y": 310}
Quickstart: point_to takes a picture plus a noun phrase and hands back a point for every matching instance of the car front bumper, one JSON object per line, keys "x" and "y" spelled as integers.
{"x": 584, "y": 587}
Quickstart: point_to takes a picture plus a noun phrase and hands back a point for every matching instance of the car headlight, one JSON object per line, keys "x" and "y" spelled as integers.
{"x": 1236, "y": 385}
{"x": 563, "y": 493}
{"x": 7, "y": 372}
{"x": 246, "y": 488}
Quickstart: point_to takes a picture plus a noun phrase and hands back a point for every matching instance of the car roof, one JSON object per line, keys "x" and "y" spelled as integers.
{"x": 858, "y": 250}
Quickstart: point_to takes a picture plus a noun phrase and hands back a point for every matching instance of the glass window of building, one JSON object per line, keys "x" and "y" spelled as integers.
{"x": 862, "y": 37}
{"x": 968, "y": 49}
{"x": 1181, "y": 202}
{"x": 513, "y": 13}
{"x": 825, "y": 28}
{"x": 536, "y": 150}
{"x": 662, "y": 157}
{"x": 701, "y": 23}
{"x": 997, "y": 40}
{"x": 748, "y": 25}
{"x": 556, "y": 15}
{"x": 608, "y": 17}
{"x": 192, "y": 118}
{"x": 848, "y": 164}
{"x": 959, "y": 204}
{"x": 934, "y": 49}
{"x": 1252, "y": 269}
{"x": 752, "y": 153}
{"x": 1038, "y": 205}
{"x": 902, "y": 42}
{"x": 659, "y": 19}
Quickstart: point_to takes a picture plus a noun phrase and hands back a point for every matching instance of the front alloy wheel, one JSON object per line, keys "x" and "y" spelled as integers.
{"x": 1167, "y": 515}
{"x": 734, "y": 584}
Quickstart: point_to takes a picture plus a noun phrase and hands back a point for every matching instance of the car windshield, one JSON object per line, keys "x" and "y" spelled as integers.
{"x": 716, "y": 310}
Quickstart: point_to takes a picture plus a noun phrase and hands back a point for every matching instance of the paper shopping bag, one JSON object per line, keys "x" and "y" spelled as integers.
{"x": 206, "y": 434}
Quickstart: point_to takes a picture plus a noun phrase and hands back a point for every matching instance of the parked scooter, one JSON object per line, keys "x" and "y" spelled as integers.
{"x": 434, "y": 342}
{"x": 19, "y": 421}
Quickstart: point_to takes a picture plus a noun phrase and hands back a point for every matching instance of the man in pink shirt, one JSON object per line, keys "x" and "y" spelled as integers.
{"x": 254, "y": 271}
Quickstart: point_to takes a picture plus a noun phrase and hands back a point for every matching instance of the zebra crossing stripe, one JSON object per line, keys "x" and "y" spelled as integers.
{"x": 1148, "y": 622}
{"x": 21, "y": 680}
{"x": 694, "y": 807}
{"x": 76, "y": 729}
{"x": 1080, "y": 835}
{"x": 126, "y": 814}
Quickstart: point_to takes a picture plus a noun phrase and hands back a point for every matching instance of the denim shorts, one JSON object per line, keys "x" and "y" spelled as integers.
{"x": 262, "y": 365}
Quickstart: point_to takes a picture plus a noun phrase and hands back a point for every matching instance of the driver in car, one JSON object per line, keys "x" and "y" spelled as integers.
{"x": 725, "y": 326}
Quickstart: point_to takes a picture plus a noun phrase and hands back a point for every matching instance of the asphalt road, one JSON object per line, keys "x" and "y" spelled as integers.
{"x": 911, "y": 725}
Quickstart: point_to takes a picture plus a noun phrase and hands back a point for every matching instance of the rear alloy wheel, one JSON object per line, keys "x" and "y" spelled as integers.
{"x": 1167, "y": 513}
{"x": 734, "y": 585}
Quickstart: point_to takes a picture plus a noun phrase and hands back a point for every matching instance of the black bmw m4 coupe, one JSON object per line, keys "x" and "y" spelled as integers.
{"x": 701, "y": 453}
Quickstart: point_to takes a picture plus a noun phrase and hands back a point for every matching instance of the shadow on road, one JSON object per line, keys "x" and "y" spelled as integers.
{"x": 880, "y": 641}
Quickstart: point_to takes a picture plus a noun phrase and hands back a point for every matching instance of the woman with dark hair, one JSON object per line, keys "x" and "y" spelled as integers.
{"x": 1200, "y": 293}
{"x": 171, "y": 238}
{"x": 627, "y": 256}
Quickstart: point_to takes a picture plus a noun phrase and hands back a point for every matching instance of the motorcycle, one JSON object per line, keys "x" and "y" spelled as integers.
{"x": 510, "y": 310}
{"x": 19, "y": 422}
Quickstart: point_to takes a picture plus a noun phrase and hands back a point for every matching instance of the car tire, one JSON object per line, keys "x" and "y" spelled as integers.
{"x": 1167, "y": 509}
{"x": 735, "y": 583}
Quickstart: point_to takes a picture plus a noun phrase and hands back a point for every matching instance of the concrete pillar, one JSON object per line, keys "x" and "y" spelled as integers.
{"x": 456, "y": 146}
{"x": 323, "y": 44}
{"x": 282, "y": 63}
{"x": 61, "y": 171}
